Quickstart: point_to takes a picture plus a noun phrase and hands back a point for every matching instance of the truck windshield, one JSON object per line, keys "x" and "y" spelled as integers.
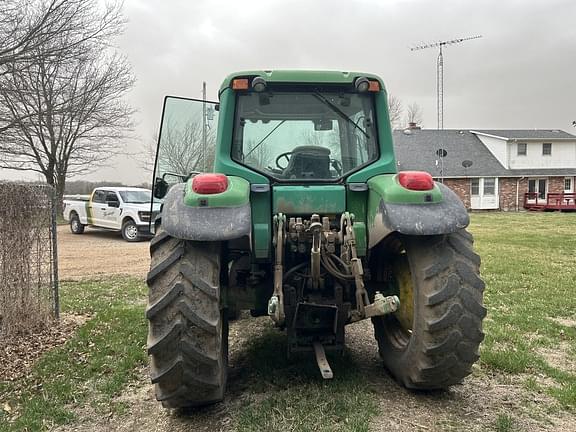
{"x": 304, "y": 135}
{"x": 136, "y": 197}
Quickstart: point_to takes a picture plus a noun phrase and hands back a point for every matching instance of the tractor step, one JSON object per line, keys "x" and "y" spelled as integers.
{"x": 322, "y": 361}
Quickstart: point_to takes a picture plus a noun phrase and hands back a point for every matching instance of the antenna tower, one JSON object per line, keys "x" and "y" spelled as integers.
{"x": 440, "y": 72}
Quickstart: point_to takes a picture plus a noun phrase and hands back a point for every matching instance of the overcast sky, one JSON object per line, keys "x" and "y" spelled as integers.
{"x": 520, "y": 75}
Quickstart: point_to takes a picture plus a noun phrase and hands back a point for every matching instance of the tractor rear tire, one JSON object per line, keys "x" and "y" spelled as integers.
{"x": 440, "y": 346}
{"x": 188, "y": 329}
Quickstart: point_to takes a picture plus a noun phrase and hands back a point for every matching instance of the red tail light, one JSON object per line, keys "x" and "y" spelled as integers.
{"x": 207, "y": 184}
{"x": 416, "y": 180}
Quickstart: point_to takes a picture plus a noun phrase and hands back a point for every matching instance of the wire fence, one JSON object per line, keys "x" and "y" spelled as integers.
{"x": 28, "y": 258}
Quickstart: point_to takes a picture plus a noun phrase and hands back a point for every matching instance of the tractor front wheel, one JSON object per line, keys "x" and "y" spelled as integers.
{"x": 432, "y": 341}
{"x": 188, "y": 331}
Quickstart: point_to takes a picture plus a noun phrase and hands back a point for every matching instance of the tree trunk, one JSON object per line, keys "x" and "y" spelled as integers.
{"x": 59, "y": 187}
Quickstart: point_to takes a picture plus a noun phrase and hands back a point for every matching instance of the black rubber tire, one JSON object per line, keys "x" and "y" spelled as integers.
{"x": 75, "y": 226}
{"x": 188, "y": 329}
{"x": 447, "y": 315}
{"x": 128, "y": 228}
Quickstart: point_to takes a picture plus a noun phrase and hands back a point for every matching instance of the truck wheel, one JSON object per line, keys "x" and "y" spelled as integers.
{"x": 130, "y": 231}
{"x": 75, "y": 226}
{"x": 188, "y": 331}
{"x": 432, "y": 341}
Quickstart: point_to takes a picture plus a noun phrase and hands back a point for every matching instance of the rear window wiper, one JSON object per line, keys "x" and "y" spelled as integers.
{"x": 338, "y": 111}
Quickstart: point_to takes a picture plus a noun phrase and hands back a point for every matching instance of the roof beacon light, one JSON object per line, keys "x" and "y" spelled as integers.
{"x": 416, "y": 180}
{"x": 209, "y": 183}
{"x": 259, "y": 84}
{"x": 362, "y": 84}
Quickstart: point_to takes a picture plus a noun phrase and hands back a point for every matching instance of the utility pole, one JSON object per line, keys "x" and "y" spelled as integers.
{"x": 440, "y": 72}
{"x": 204, "y": 126}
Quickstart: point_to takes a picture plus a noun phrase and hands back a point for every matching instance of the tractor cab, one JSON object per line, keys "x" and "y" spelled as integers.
{"x": 283, "y": 199}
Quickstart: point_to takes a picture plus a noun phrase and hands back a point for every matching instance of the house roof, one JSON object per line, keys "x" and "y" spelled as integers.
{"x": 527, "y": 134}
{"x": 416, "y": 149}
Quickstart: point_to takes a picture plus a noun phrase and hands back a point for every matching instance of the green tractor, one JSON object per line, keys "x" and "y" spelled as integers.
{"x": 304, "y": 219}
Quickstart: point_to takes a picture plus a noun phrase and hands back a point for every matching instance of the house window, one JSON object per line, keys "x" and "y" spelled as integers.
{"x": 521, "y": 149}
{"x": 489, "y": 186}
{"x": 475, "y": 186}
{"x": 568, "y": 184}
{"x": 546, "y": 149}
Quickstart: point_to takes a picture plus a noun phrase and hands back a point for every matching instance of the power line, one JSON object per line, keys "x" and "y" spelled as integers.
{"x": 440, "y": 71}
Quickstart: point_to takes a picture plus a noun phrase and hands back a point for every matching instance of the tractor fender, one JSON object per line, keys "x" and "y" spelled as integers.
{"x": 203, "y": 223}
{"x": 446, "y": 216}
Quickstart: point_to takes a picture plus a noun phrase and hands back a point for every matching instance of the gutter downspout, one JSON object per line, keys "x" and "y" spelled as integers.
{"x": 518, "y": 193}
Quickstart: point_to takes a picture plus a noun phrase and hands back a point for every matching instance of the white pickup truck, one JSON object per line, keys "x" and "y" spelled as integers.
{"x": 115, "y": 208}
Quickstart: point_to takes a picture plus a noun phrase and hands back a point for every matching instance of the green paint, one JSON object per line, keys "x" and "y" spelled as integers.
{"x": 223, "y": 162}
{"x": 261, "y": 224}
{"x": 325, "y": 199}
{"x": 388, "y": 189}
{"x": 386, "y": 163}
{"x": 237, "y": 194}
{"x": 361, "y": 237}
{"x": 301, "y": 76}
{"x": 308, "y": 199}
{"x": 356, "y": 203}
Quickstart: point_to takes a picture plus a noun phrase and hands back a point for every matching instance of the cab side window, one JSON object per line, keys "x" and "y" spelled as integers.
{"x": 99, "y": 197}
{"x": 111, "y": 196}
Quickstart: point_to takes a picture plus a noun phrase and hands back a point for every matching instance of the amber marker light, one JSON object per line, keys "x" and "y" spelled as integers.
{"x": 374, "y": 86}
{"x": 240, "y": 84}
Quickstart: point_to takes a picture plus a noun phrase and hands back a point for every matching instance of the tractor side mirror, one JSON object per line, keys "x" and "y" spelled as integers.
{"x": 113, "y": 203}
{"x": 160, "y": 188}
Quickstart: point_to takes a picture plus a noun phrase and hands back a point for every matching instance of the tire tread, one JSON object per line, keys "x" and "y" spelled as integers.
{"x": 187, "y": 338}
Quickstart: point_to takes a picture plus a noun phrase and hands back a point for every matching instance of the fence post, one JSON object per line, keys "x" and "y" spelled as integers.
{"x": 55, "y": 281}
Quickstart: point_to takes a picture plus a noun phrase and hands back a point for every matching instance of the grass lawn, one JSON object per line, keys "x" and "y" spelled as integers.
{"x": 529, "y": 267}
{"x": 91, "y": 367}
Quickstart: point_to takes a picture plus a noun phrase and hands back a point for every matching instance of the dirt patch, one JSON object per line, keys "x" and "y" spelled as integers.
{"x": 144, "y": 413}
{"x": 472, "y": 406}
{"x": 19, "y": 353}
{"x": 99, "y": 253}
{"x": 566, "y": 322}
{"x": 475, "y": 405}
{"x": 560, "y": 357}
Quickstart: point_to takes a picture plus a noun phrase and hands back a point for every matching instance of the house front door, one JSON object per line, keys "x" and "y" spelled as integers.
{"x": 484, "y": 193}
{"x": 537, "y": 189}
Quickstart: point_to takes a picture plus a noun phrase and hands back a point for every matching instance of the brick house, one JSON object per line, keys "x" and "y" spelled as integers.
{"x": 492, "y": 169}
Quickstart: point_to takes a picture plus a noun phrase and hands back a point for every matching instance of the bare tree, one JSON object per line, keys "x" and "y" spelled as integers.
{"x": 182, "y": 146}
{"x": 258, "y": 155}
{"x": 62, "y": 110}
{"x": 33, "y": 29}
{"x": 395, "y": 111}
{"x": 414, "y": 114}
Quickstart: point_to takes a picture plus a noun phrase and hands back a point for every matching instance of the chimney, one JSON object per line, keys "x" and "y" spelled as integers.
{"x": 412, "y": 125}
